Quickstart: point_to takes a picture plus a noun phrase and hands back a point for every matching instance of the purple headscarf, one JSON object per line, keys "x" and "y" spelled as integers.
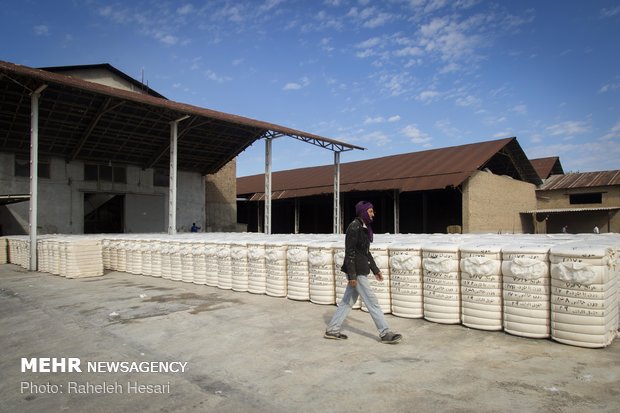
{"x": 361, "y": 210}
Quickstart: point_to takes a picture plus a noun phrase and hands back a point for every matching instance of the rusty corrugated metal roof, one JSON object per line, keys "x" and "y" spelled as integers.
{"x": 545, "y": 167}
{"x": 417, "y": 171}
{"x": 560, "y": 210}
{"x": 581, "y": 180}
{"x": 92, "y": 122}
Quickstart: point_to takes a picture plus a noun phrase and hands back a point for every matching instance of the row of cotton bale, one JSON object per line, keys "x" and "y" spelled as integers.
{"x": 70, "y": 256}
{"x": 562, "y": 287}
{"x": 4, "y": 253}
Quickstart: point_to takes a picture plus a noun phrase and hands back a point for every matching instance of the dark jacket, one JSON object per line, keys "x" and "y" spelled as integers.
{"x": 357, "y": 257}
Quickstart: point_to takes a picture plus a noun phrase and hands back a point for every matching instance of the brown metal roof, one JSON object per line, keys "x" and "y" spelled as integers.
{"x": 561, "y": 210}
{"x": 417, "y": 171}
{"x": 545, "y": 167}
{"x": 581, "y": 180}
{"x": 88, "y": 121}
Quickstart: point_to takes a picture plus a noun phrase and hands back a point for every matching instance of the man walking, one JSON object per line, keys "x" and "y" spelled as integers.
{"x": 358, "y": 262}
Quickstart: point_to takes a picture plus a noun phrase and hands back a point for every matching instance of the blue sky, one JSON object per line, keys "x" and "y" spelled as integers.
{"x": 393, "y": 76}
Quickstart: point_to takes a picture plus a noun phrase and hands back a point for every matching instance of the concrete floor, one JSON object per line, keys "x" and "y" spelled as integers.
{"x": 255, "y": 353}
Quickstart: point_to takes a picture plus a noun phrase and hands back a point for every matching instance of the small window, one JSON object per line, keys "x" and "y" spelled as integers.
{"x": 22, "y": 168}
{"x": 161, "y": 177}
{"x": 91, "y": 172}
{"x": 120, "y": 175}
{"x": 105, "y": 173}
{"x": 591, "y": 198}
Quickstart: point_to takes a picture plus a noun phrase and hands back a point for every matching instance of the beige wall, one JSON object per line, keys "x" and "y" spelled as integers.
{"x": 103, "y": 77}
{"x": 221, "y": 199}
{"x": 492, "y": 204}
{"x": 607, "y": 221}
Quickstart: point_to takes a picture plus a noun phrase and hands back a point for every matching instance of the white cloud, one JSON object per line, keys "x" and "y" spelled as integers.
{"x": 588, "y": 156}
{"x": 614, "y": 132}
{"x": 378, "y": 138}
{"x": 605, "y": 12}
{"x": 467, "y": 101}
{"x": 381, "y": 119}
{"x": 450, "y": 68}
{"x": 211, "y": 75}
{"x": 568, "y": 128}
{"x": 41, "y": 30}
{"x": 167, "y": 39}
{"x": 409, "y": 51}
{"x": 270, "y": 4}
{"x": 609, "y": 87}
{"x": 369, "y": 43}
{"x": 297, "y": 85}
{"x": 185, "y": 9}
{"x": 396, "y": 84}
{"x": 378, "y": 119}
{"x": 427, "y": 96}
{"x": 520, "y": 109}
{"x": 445, "y": 126}
{"x": 416, "y": 135}
{"x": 378, "y": 20}
{"x": 326, "y": 45}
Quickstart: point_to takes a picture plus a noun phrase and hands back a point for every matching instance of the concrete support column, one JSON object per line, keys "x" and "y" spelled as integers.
{"x": 337, "y": 225}
{"x": 34, "y": 174}
{"x": 172, "y": 197}
{"x": 268, "y": 145}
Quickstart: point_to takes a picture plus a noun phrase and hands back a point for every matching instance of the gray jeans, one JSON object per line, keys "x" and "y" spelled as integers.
{"x": 350, "y": 297}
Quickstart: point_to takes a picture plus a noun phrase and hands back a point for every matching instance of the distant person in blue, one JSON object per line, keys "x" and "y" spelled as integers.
{"x": 358, "y": 262}
{"x": 194, "y": 228}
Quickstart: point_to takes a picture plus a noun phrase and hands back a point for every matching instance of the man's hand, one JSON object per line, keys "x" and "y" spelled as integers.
{"x": 353, "y": 283}
{"x": 379, "y": 277}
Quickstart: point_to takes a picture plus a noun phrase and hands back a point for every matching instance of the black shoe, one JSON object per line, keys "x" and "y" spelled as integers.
{"x": 391, "y": 338}
{"x": 335, "y": 336}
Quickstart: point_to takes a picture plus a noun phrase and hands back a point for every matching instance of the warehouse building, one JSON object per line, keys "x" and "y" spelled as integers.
{"x": 451, "y": 189}
{"x": 115, "y": 156}
{"x": 486, "y": 187}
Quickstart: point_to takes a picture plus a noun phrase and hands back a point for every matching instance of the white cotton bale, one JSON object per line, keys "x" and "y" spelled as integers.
{"x": 186, "y": 250}
{"x": 83, "y": 257}
{"x": 256, "y": 268}
{"x": 481, "y": 285}
{"x": 198, "y": 263}
{"x": 176, "y": 264}
{"x": 321, "y": 271}
{"x": 526, "y": 289}
{"x": 239, "y": 266}
{"x": 166, "y": 269}
{"x": 146, "y": 251}
{"x": 441, "y": 278}
{"x": 211, "y": 267}
{"x": 54, "y": 257}
{"x": 275, "y": 269}
{"x": 130, "y": 255}
{"x": 224, "y": 266}
{"x": 156, "y": 254}
{"x": 584, "y": 297}
{"x": 407, "y": 299}
{"x": 114, "y": 247}
{"x": 121, "y": 265}
{"x": 62, "y": 257}
{"x": 297, "y": 276}
{"x": 4, "y": 250}
{"x": 42, "y": 259}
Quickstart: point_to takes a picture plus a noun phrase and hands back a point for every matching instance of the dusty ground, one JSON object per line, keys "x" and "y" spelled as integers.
{"x": 255, "y": 353}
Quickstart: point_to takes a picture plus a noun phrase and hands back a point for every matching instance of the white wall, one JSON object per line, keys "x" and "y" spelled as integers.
{"x": 61, "y": 199}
